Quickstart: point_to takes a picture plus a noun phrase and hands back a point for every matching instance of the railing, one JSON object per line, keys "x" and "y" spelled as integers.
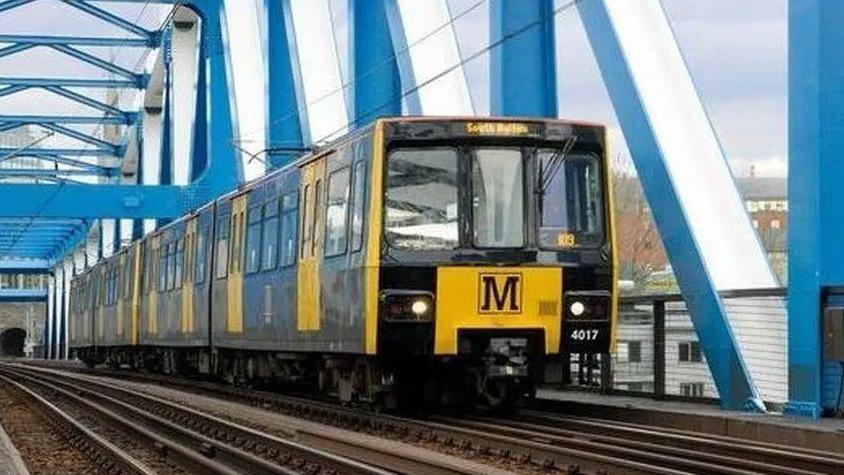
{"x": 658, "y": 354}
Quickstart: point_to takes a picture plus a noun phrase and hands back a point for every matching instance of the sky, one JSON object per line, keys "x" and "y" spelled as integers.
{"x": 735, "y": 50}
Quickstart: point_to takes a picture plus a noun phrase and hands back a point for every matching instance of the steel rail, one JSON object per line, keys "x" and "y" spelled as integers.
{"x": 92, "y": 444}
{"x": 534, "y": 454}
{"x": 788, "y": 458}
{"x": 342, "y": 455}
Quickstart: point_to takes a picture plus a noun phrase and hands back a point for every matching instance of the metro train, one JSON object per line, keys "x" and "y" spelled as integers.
{"x": 433, "y": 260}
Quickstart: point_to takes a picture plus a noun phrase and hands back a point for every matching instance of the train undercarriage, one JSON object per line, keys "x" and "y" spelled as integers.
{"x": 497, "y": 381}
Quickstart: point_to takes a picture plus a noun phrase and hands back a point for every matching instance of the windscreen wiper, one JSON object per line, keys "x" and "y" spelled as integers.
{"x": 546, "y": 177}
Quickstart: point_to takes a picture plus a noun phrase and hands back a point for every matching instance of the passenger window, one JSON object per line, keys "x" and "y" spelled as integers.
{"x": 289, "y": 225}
{"x": 179, "y": 263}
{"x": 127, "y": 276}
{"x": 358, "y": 205}
{"x": 269, "y": 236}
{"x": 200, "y": 253}
{"x": 171, "y": 265}
{"x": 253, "y": 240}
{"x": 222, "y": 255}
{"x": 315, "y": 218}
{"x": 162, "y": 268}
{"x": 336, "y": 213}
{"x": 234, "y": 244}
{"x": 306, "y": 219}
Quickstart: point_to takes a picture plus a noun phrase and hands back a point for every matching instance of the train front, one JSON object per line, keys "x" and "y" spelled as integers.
{"x": 496, "y": 254}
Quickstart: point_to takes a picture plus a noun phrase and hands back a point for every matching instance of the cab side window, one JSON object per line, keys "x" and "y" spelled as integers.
{"x": 289, "y": 226}
{"x": 269, "y": 236}
{"x": 336, "y": 212}
{"x": 222, "y": 251}
{"x": 253, "y": 240}
{"x": 358, "y": 205}
{"x": 200, "y": 253}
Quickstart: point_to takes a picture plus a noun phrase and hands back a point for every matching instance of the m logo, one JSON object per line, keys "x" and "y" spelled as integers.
{"x": 500, "y": 293}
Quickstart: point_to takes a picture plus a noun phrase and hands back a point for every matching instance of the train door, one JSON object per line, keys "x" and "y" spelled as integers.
{"x": 155, "y": 282}
{"x": 122, "y": 264}
{"x": 310, "y": 246}
{"x": 139, "y": 258}
{"x": 234, "y": 321}
{"x": 187, "y": 276}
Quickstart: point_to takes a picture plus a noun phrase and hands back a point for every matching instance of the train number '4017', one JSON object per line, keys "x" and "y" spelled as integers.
{"x": 585, "y": 334}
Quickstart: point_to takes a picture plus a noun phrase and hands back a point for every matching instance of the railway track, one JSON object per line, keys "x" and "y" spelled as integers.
{"x": 787, "y": 458}
{"x": 97, "y": 449}
{"x": 676, "y": 450}
{"x": 229, "y": 447}
{"x": 548, "y": 442}
{"x": 534, "y": 454}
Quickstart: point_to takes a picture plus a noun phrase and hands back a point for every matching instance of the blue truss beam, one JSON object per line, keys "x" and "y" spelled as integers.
{"x": 97, "y": 62}
{"x": 100, "y": 201}
{"x": 70, "y": 119}
{"x": 376, "y": 74}
{"x": 639, "y": 119}
{"x": 35, "y": 236}
{"x": 74, "y": 96}
{"x": 42, "y": 173}
{"x": 79, "y": 41}
{"x": 12, "y": 90}
{"x": 83, "y": 137}
{"x": 23, "y": 295}
{"x": 34, "y": 228}
{"x": 5, "y": 127}
{"x": 816, "y": 170}
{"x": 110, "y": 18}
{"x": 73, "y": 82}
{"x": 64, "y": 222}
{"x": 223, "y": 173}
{"x": 285, "y": 126}
{"x": 14, "y": 49}
{"x": 64, "y": 161}
{"x": 25, "y": 266}
{"x": 48, "y": 152}
{"x": 10, "y": 4}
{"x": 528, "y": 58}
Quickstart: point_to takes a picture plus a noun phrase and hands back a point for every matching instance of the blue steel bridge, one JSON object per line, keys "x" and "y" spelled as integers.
{"x": 143, "y": 110}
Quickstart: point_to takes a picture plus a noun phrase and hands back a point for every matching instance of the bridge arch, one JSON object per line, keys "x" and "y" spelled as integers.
{"x": 12, "y": 341}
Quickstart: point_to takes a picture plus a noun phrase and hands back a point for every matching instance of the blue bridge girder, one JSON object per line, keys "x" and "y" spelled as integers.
{"x": 123, "y": 119}
{"x": 150, "y": 42}
{"x": 23, "y": 295}
{"x": 128, "y": 201}
{"x": 111, "y": 18}
{"x": 138, "y": 83}
{"x": 25, "y": 266}
{"x": 40, "y": 172}
{"x": 73, "y": 152}
{"x": 75, "y": 96}
{"x": 100, "y": 63}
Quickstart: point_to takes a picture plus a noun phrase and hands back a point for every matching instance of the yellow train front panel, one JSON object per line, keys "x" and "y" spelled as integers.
{"x": 485, "y": 298}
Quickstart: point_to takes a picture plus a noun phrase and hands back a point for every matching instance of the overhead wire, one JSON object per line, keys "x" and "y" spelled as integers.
{"x": 351, "y": 81}
{"x": 477, "y": 54}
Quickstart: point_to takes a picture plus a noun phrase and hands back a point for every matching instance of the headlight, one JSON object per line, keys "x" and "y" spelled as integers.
{"x": 587, "y": 305}
{"x": 419, "y": 307}
{"x": 407, "y": 306}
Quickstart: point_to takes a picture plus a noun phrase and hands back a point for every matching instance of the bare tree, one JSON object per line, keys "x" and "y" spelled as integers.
{"x": 638, "y": 239}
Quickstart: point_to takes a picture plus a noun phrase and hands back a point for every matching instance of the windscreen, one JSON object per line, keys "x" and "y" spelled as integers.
{"x": 442, "y": 198}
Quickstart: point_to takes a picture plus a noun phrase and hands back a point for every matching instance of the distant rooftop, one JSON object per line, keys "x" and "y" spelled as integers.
{"x": 762, "y": 188}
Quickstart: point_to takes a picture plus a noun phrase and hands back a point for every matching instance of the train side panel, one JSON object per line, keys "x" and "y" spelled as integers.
{"x": 260, "y": 233}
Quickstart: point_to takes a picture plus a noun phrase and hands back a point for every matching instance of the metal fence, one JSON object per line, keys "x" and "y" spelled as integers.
{"x": 658, "y": 354}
